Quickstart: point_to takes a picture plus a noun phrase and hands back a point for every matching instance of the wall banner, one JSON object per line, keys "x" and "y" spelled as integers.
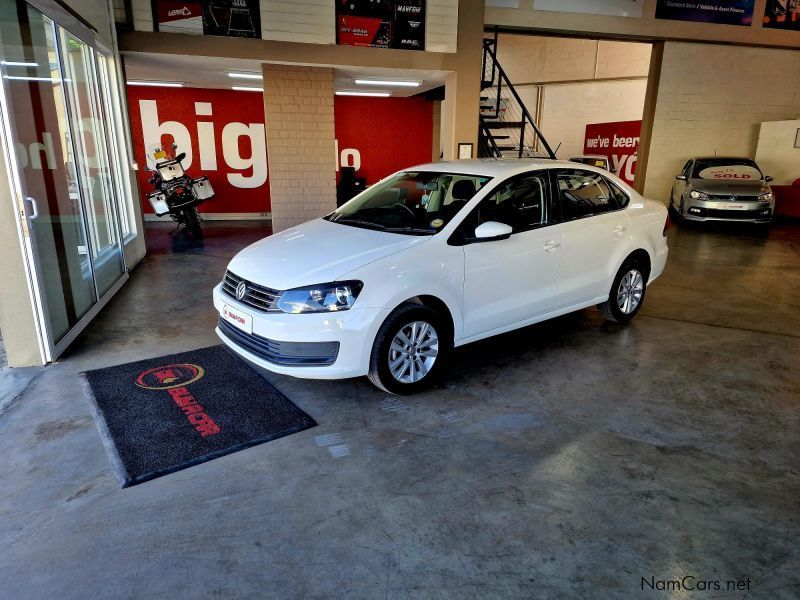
{"x": 782, "y": 14}
{"x": 619, "y": 141}
{"x": 223, "y": 134}
{"x": 725, "y": 12}
{"x": 230, "y": 18}
{"x": 381, "y": 23}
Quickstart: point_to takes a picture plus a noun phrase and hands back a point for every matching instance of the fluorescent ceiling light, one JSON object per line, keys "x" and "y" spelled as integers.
{"x": 356, "y": 93}
{"x": 24, "y": 78}
{"x": 172, "y": 84}
{"x": 14, "y": 63}
{"x": 244, "y": 88}
{"x": 239, "y": 75}
{"x": 387, "y": 82}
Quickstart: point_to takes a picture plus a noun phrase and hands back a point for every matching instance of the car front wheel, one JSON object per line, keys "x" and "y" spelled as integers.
{"x": 627, "y": 293}
{"x": 409, "y": 350}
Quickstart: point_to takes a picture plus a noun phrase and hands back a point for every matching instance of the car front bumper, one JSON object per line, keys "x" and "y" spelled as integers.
{"x": 314, "y": 346}
{"x": 710, "y": 210}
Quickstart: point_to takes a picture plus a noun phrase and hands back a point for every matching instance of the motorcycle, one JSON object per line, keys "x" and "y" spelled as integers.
{"x": 175, "y": 192}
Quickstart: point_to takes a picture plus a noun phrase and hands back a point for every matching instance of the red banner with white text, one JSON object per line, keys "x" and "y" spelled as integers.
{"x": 224, "y": 137}
{"x": 619, "y": 141}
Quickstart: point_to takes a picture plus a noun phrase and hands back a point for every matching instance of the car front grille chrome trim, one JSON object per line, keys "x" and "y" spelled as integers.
{"x": 256, "y": 296}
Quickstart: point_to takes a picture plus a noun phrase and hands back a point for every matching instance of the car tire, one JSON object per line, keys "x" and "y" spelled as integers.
{"x": 394, "y": 364}
{"x": 627, "y": 293}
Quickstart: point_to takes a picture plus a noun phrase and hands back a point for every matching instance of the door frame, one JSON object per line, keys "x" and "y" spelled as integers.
{"x": 50, "y": 351}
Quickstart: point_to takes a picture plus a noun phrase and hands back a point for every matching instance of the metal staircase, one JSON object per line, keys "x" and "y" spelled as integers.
{"x": 506, "y": 128}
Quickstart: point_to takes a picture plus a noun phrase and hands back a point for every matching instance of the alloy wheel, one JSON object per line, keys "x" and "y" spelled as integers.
{"x": 413, "y": 351}
{"x": 629, "y": 293}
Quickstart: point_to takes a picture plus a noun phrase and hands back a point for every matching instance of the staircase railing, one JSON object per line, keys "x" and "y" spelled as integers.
{"x": 506, "y": 127}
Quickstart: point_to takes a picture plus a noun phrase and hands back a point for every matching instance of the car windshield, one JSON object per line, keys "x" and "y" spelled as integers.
{"x": 733, "y": 169}
{"x": 413, "y": 203}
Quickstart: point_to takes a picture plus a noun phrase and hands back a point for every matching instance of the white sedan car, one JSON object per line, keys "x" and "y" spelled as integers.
{"x": 438, "y": 256}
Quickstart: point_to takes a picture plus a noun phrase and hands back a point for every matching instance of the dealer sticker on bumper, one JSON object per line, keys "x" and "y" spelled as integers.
{"x": 237, "y": 318}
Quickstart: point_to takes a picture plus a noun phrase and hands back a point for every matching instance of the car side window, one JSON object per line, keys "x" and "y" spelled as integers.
{"x": 621, "y": 198}
{"x": 584, "y": 193}
{"x": 520, "y": 202}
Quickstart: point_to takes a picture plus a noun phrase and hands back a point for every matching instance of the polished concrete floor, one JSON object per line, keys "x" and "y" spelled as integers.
{"x": 570, "y": 459}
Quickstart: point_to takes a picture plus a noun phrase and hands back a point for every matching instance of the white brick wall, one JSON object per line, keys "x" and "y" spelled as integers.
{"x": 298, "y": 105}
{"x": 441, "y": 22}
{"x": 713, "y": 98}
{"x": 569, "y": 108}
{"x": 527, "y": 58}
{"x": 142, "y": 15}
{"x": 310, "y": 21}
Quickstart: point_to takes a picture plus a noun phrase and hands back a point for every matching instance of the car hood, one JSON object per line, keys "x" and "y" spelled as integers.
{"x": 723, "y": 188}
{"x": 316, "y": 252}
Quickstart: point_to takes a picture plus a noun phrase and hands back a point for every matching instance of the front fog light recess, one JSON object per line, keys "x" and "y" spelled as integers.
{"x": 325, "y": 297}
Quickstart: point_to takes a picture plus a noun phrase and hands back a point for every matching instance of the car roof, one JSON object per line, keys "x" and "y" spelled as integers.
{"x": 603, "y": 156}
{"x": 722, "y": 158}
{"x": 492, "y": 167}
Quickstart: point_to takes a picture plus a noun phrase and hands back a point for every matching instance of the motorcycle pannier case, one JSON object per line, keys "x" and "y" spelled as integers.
{"x": 202, "y": 188}
{"x": 159, "y": 203}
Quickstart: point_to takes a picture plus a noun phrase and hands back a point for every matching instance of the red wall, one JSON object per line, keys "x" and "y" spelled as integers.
{"x": 378, "y": 135}
{"x": 228, "y": 106}
{"x": 389, "y": 133}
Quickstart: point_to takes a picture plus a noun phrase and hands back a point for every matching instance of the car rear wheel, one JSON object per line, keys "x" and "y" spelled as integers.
{"x": 409, "y": 350}
{"x": 627, "y": 293}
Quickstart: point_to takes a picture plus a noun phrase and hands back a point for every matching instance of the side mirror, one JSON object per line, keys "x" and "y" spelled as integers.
{"x": 768, "y": 178}
{"x": 180, "y": 157}
{"x": 680, "y": 177}
{"x": 492, "y": 231}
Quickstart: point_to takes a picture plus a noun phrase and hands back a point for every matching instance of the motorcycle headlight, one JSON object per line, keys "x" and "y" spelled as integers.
{"x": 698, "y": 195}
{"x": 765, "y": 197}
{"x": 325, "y": 297}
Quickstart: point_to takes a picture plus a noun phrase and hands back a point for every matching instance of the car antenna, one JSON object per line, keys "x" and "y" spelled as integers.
{"x": 555, "y": 152}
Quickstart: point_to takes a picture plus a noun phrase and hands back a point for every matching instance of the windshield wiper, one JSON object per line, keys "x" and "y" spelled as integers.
{"x": 419, "y": 230}
{"x": 368, "y": 224}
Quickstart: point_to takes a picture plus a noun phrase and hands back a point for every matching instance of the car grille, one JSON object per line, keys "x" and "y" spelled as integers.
{"x": 731, "y": 198}
{"x": 259, "y": 297}
{"x": 298, "y": 354}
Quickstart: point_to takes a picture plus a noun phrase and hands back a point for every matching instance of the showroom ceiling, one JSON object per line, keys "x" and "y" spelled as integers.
{"x": 213, "y": 72}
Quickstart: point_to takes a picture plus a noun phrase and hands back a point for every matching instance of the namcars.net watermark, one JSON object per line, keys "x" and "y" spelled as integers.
{"x": 692, "y": 583}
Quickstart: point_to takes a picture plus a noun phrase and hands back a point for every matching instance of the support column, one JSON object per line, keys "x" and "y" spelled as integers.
{"x": 298, "y": 106}
{"x": 459, "y": 119}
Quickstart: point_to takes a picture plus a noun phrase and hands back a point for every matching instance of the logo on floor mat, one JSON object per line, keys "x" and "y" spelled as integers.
{"x": 169, "y": 376}
{"x": 173, "y": 379}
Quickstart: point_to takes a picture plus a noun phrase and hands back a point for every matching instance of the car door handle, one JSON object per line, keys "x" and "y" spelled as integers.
{"x": 551, "y": 245}
{"x": 619, "y": 230}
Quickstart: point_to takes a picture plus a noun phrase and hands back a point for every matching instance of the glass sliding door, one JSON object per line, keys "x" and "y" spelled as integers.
{"x": 57, "y": 147}
{"x": 92, "y": 159}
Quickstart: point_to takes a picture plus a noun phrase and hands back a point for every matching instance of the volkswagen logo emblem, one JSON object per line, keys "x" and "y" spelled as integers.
{"x": 241, "y": 290}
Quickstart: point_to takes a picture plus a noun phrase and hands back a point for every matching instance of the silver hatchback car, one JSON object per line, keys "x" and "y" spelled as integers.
{"x": 722, "y": 189}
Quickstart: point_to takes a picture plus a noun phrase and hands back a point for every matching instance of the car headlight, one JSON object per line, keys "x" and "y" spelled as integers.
{"x": 765, "y": 197}
{"x": 698, "y": 195}
{"x": 325, "y": 297}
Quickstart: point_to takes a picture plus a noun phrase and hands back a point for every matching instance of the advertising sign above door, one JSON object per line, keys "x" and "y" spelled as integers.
{"x": 724, "y": 12}
{"x": 381, "y": 23}
{"x": 782, "y": 14}
{"x": 617, "y": 8}
{"x": 231, "y": 18}
{"x": 619, "y": 141}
